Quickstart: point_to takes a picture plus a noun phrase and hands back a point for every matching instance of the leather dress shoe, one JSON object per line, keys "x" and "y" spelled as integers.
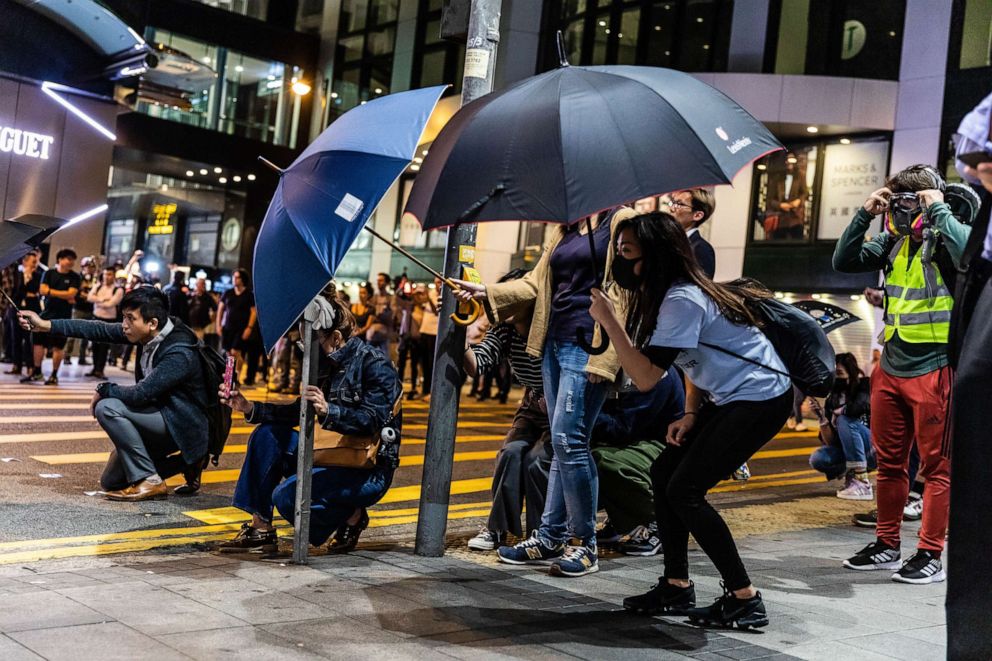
{"x": 143, "y": 490}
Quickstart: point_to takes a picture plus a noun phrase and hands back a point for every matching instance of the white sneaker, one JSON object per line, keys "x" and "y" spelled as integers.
{"x": 486, "y": 540}
{"x": 914, "y": 508}
{"x": 801, "y": 426}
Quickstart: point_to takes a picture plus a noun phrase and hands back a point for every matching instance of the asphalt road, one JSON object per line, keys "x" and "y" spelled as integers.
{"x": 52, "y": 453}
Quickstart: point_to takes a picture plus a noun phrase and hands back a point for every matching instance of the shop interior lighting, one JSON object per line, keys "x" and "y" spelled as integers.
{"x": 816, "y": 297}
{"x": 218, "y": 170}
{"x": 423, "y": 152}
{"x": 189, "y": 173}
{"x": 762, "y": 166}
{"x": 206, "y": 60}
{"x": 223, "y": 180}
{"x": 334, "y": 95}
{"x": 251, "y": 177}
{"x": 418, "y": 160}
{"x": 845, "y": 141}
{"x": 203, "y": 170}
{"x": 239, "y": 68}
{"x": 86, "y": 214}
{"x": 49, "y": 89}
{"x": 237, "y": 178}
{"x": 779, "y": 295}
{"x": 271, "y": 77}
{"x": 792, "y": 159}
{"x": 301, "y": 88}
{"x": 415, "y": 167}
{"x": 378, "y": 90}
{"x": 165, "y": 187}
{"x": 855, "y": 297}
{"x": 602, "y": 24}
{"x": 273, "y": 84}
{"x": 151, "y": 267}
{"x": 812, "y": 129}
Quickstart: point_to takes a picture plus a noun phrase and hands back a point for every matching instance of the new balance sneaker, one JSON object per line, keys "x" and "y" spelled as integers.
{"x": 663, "y": 598}
{"x": 486, "y": 540}
{"x": 914, "y": 508}
{"x": 877, "y": 555}
{"x": 642, "y": 541}
{"x": 866, "y": 520}
{"x": 531, "y": 551}
{"x": 577, "y": 561}
{"x": 607, "y": 534}
{"x": 856, "y": 489}
{"x": 730, "y": 611}
{"x": 924, "y": 567}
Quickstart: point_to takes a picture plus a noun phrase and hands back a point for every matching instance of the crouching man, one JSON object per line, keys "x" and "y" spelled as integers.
{"x": 164, "y": 412}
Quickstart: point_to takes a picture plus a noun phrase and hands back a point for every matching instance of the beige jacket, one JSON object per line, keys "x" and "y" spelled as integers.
{"x": 533, "y": 292}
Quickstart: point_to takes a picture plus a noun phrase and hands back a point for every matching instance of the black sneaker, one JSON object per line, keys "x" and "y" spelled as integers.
{"x": 877, "y": 555}
{"x": 663, "y": 598}
{"x": 53, "y": 380}
{"x": 866, "y": 520}
{"x": 36, "y": 376}
{"x": 607, "y": 534}
{"x": 729, "y": 611}
{"x": 250, "y": 538}
{"x": 924, "y": 567}
{"x": 643, "y": 541}
{"x": 345, "y": 539}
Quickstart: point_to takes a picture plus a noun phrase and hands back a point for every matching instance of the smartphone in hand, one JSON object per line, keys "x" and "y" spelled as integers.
{"x": 974, "y": 158}
{"x": 228, "y": 376}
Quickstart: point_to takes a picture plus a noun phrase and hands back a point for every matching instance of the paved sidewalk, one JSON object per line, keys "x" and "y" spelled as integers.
{"x": 384, "y": 602}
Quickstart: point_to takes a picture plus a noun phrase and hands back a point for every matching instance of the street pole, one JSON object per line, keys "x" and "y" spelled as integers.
{"x": 304, "y": 448}
{"x": 435, "y": 490}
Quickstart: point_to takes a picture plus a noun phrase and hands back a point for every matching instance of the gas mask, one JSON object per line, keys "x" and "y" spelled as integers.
{"x": 906, "y": 216}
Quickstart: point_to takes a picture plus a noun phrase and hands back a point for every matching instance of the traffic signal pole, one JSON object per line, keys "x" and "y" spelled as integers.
{"x": 435, "y": 491}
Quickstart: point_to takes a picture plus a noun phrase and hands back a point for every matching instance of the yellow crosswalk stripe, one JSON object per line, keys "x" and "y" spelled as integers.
{"x": 43, "y": 406}
{"x": 40, "y": 397}
{"x": 40, "y": 419}
{"x": 230, "y": 449}
{"x": 221, "y": 515}
{"x": 96, "y": 435}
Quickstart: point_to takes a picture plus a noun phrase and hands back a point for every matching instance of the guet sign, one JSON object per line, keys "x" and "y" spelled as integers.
{"x": 25, "y": 143}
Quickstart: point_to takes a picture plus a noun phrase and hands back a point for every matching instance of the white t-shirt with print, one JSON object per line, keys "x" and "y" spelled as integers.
{"x": 688, "y": 318}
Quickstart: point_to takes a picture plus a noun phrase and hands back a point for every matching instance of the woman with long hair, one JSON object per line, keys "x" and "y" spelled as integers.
{"x": 733, "y": 407}
{"x": 847, "y": 450}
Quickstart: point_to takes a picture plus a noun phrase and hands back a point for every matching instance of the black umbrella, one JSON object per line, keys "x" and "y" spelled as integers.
{"x": 20, "y": 235}
{"x": 830, "y": 317}
{"x": 566, "y": 144}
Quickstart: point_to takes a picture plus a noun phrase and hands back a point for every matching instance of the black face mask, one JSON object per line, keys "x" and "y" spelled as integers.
{"x": 840, "y": 384}
{"x": 623, "y": 272}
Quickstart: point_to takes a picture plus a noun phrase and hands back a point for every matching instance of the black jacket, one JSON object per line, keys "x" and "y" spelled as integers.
{"x": 856, "y": 407}
{"x": 175, "y": 386}
{"x": 361, "y": 388}
{"x": 704, "y": 253}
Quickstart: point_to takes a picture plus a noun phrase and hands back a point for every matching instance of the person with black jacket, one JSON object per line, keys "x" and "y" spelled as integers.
{"x": 356, "y": 396}
{"x": 178, "y": 295}
{"x": 164, "y": 412}
{"x": 691, "y": 208}
{"x": 847, "y": 451}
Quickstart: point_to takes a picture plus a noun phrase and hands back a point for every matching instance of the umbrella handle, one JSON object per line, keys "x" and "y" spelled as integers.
{"x": 468, "y": 319}
{"x": 587, "y": 346}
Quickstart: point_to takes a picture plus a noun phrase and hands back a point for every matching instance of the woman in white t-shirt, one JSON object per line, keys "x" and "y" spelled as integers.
{"x": 733, "y": 407}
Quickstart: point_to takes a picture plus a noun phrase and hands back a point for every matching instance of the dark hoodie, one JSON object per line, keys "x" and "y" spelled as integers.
{"x": 175, "y": 385}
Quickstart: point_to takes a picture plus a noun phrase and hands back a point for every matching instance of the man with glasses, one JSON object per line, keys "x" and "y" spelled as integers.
{"x": 691, "y": 208}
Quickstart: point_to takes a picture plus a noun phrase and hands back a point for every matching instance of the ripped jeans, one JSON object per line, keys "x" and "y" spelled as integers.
{"x": 573, "y": 406}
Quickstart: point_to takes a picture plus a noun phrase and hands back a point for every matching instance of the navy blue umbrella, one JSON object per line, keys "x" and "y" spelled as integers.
{"x": 324, "y": 199}
{"x": 566, "y": 144}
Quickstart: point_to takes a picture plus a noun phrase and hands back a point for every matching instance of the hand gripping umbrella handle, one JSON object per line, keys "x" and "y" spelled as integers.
{"x": 587, "y": 346}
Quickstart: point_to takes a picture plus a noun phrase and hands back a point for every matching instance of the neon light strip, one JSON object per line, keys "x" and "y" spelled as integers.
{"x": 46, "y": 87}
{"x": 86, "y": 214}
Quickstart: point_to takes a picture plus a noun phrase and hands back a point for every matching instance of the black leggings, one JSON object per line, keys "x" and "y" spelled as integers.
{"x": 723, "y": 438}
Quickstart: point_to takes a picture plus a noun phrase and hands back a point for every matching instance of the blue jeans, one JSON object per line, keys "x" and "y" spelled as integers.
{"x": 573, "y": 406}
{"x": 336, "y": 491}
{"x": 854, "y": 452}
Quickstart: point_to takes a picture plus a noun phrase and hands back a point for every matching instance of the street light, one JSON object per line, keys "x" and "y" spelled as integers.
{"x": 301, "y": 88}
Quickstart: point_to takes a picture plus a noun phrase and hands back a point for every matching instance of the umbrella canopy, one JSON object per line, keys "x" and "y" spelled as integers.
{"x": 577, "y": 140}
{"x": 324, "y": 199}
{"x": 830, "y": 317}
{"x": 21, "y": 235}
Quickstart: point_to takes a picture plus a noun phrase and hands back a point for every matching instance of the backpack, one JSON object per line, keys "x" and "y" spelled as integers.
{"x": 799, "y": 342}
{"x": 218, "y": 415}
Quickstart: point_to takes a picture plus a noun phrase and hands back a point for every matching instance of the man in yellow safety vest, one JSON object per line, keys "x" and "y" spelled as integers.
{"x": 919, "y": 250}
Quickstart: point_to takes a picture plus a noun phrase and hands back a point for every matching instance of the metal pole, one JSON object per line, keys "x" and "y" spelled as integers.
{"x": 304, "y": 451}
{"x": 480, "y": 67}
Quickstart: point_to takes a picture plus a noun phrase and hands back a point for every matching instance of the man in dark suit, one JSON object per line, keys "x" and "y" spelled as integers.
{"x": 691, "y": 208}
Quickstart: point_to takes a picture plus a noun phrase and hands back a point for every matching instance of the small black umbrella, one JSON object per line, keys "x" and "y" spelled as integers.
{"x": 830, "y": 317}
{"x": 21, "y": 235}
{"x": 566, "y": 144}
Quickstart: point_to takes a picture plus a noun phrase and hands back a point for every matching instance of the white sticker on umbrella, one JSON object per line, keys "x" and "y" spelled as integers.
{"x": 50, "y": 476}
{"x": 350, "y": 207}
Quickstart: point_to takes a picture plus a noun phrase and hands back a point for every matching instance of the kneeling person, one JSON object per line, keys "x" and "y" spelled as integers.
{"x": 357, "y": 397}
{"x": 163, "y": 413}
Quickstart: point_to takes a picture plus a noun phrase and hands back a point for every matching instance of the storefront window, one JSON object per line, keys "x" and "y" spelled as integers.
{"x": 976, "y": 38}
{"x": 849, "y": 38}
{"x": 250, "y": 8}
{"x": 229, "y": 92}
{"x": 784, "y": 195}
{"x": 691, "y": 35}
